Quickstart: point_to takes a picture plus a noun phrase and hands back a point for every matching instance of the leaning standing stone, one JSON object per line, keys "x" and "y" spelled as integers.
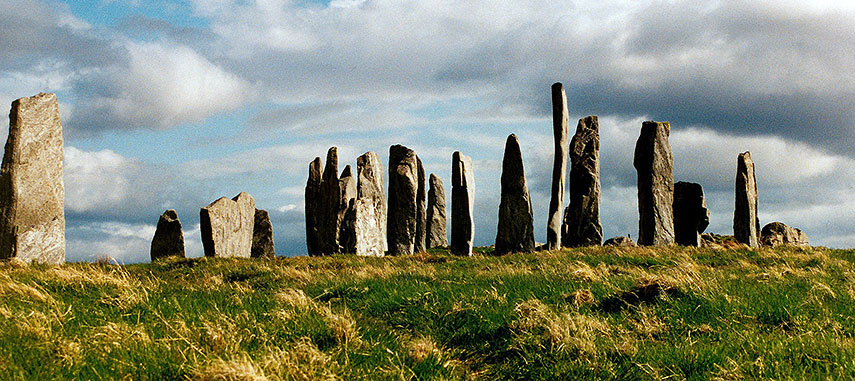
{"x": 403, "y": 192}
{"x": 421, "y": 215}
{"x": 347, "y": 212}
{"x": 654, "y": 164}
{"x": 168, "y": 239}
{"x": 329, "y": 201}
{"x": 436, "y": 235}
{"x": 746, "y": 224}
{"x": 582, "y": 218}
{"x": 691, "y": 216}
{"x": 32, "y": 195}
{"x": 515, "y": 232}
{"x": 370, "y": 221}
{"x": 560, "y": 125}
{"x": 462, "y": 201}
{"x": 227, "y": 226}
{"x": 262, "y": 236}
{"x": 313, "y": 208}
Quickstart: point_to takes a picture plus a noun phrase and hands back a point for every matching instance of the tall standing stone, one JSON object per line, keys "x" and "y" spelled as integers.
{"x": 313, "y": 208}
{"x": 168, "y": 238}
{"x": 347, "y": 212}
{"x": 515, "y": 232}
{"x": 370, "y": 221}
{"x": 403, "y": 200}
{"x": 462, "y": 201}
{"x": 654, "y": 164}
{"x": 32, "y": 194}
{"x": 691, "y": 216}
{"x": 436, "y": 223}
{"x": 746, "y": 224}
{"x": 227, "y": 226}
{"x": 329, "y": 201}
{"x": 262, "y": 236}
{"x": 582, "y": 218}
{"x": 560, "y": 126}
{"x": 421, "y": 215}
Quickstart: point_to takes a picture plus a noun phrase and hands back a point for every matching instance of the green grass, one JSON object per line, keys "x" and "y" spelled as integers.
{"x": 590, "y": 313}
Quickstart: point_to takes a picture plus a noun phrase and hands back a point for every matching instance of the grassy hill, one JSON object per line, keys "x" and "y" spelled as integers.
{"x": 586, "y": 313}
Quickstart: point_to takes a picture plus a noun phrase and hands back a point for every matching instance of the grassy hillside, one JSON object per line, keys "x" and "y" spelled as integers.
{"x": 590, "y": 313}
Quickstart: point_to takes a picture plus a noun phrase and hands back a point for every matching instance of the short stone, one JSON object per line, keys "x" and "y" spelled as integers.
{"x": 778, "y": 233}
{"x": 691, "y": 216}
{"x": 620, "y": 242}
{"x": 436, "y": 221}
{"x": 262, "y": 236}
{"x": 227, "y": 226}
{"x": 168, "y": 238}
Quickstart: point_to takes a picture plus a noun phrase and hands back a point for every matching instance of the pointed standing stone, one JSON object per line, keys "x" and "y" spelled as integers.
{"x": 515, "y": 232}
{"x": 168, "y": 239}
{"x": 32, "y": 194}
{"x": 370, "y": 221}
{"x": 746, "y": 224}
{"x": 403, "y": 193}
{"x": 462, "y": 201}
{"x": 560, "y": 126}
{"x": 262, "y": 236}
{"x": 436, "y": 235}
{"x": 654, "y": 164}
{"x": 347, "y": 212}
{"x": 691, "y": 216}
{"x": 227, "y": 226}
{"x": 313, "y": 208}
{"x": 582, "y": 218}
{"x": 421, "y": 215}
{"x": 329, "y": 202}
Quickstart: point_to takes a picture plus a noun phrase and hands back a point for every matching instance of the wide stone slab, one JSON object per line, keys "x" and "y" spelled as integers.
{"x": 654, "y": 163}
{"x": 370, "y": 220}
{"x": 691, "y": 216}
{"x": 462, "y": 202}
{"x": 560, "y": 127}
{"x": 582, "y": 218}
{"x": 227, "y": 226}
{"x": 168, "y": 238}
{"x": 262, "y": 236}
{"x": 515, "y": 232}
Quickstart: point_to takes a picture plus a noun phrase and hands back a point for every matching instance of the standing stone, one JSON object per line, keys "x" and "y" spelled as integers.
{"x": 462, "y": 201}
{"x": 691, "y": 216}
{"x": 403, "y": 194}
{"x": 515, "y": 232}
{"x": 227, "y": 226}
{"x": 313, "y": 208}
{"x": 560, "y": 126}
{"x": 582, "y": 218}
{"x": 370, "y": 221}
{"x": 746, "y": 224}
{"x": 32, "y": 194}
{"x": 654, "y": 164}
{"x": 329, "y": 201}
{"x": 168, "y": 239}
{"x": 421, "y": 215}
{"x": 778, "y": 233}
{"x": 347, "y": 212}
{"x": 436, "y": 235}
{"x": 262, "y": 236}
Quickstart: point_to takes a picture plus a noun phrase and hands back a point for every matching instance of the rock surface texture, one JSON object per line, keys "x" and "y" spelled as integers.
{"x": 691, "y": 216}
{"x": 421, "y": 214}
{"x": 329, "y": 202}
{"x": 582, "y": 218}
{"x": 560, "y": 127}
{"x": 370, "y": 220}
{"x": 403, "y": 193}
{"x": 313, "y": 208}
{"x": 778, "y": 233}
{"x": 462, "y": 201}
{"x": 346, "y": 218}
{"x": 654, "y": 164}
{"x": 168, "y": 238}
{"x": 262, "y": 236}
{"x": 32, "y": 194}
{"x": 227, "y": 226}
{"x": 620, "y": 242}
{"x": 746, "y": 224}
{"x": 436, "y": 221}
{"x": 515, "y": 232}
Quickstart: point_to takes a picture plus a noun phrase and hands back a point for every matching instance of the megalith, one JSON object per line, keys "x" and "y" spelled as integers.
{"x": 370, "y": 220}
{"x": 314, "y": 212}
{"x": 346, "y": 218}
{"x": 654, "y": 164}
{"x": 436, "y": 222}
{"x": 329, "y": 202}
{"x": 746, "y": 223}
{"x": 401, "y": 223}
{"x": 515, "y": 232}
{"x": 32, "y": 194}
{"x": 560, "y": 127}
{"x": 462, "y": 202}
{"x": 691, "y": 216}
{"x": 421, "y": 214}
{"x": 227, "y": 226}
{"x": 262, "y": 236}
{"x": 582, "y": 218}
{"x": 778, "y": 233}
{"x": 168, "y": 238}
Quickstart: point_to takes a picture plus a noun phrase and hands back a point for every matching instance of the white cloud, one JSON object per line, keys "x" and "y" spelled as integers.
{"x": 95, "y": 180}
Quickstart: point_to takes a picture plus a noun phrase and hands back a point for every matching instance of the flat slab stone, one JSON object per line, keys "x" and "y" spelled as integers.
{"x": 370, "y": 219}
{"x": 227, "y": 226}
{"x": 168, "y": 238}
{"x": 436, "y": 220}
{"x": 462, "y": 202}
{"x": 691, "y": 216}
{"x": 402, "y": 214}
{"x": 560, "y": 127}
{"x": 262, "y": 236}
{"x": 746, "y": 224}
{"x": 515, "y": 233}
{"x": 582, "y": 218}
{"x": 654, "y": 163}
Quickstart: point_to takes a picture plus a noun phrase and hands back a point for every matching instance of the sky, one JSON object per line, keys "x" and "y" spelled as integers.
{"x": 174, "y": 104}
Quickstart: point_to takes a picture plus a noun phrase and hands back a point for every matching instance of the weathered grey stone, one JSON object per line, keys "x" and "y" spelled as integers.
{"x": 654, "y": 164}
{"x": 168, "y": 239}
{"x": 746, "y": 224}
{"x": 329, "y": 203}
{"x": 560, "y": 127}
{"x": 582, "y": 218}
{"x": 32, "y": 194}
{"x": 347, "y": 212}
{"x": 515, "y": 232}
{"x": 691, "y": 216}
{"x": 778, "y": 233}
{"x": 620, "y": 242}
{"x": 262, "y": 236}
{"x": 314, "y": 212}
{"x": 403, "y": 204}
{"x": 227, "y": 226}
{"x": 436, "y": 223}
{"x": 370, "y": 221}
{"x": 421, "y": 215}
{"x": 462, "y": 201}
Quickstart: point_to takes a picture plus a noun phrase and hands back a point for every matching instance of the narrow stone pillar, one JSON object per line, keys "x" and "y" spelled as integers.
{"x": 515, "y": 233}
{"x": 746, "y": 224}
{"x": 654, "y": 164}
{"x": 370, "y": 224}
{"x": 560, "y": 126}
{"x": 583, "y": 214}
{"x": 168, "y": 239}
{"x": 227, "y": 226}
{"x": 262, "y": 236}
{"x": 330, "y": 201}
{"x": 691, "y": 216}
{"x": 421, "y": 214}
{"x": 462, "y": 201}
{"x": 347, "y": 212}
{"x": 314, "y": 213}
{"x": 436, "y": 222}
{"x": 403, "y": 193}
